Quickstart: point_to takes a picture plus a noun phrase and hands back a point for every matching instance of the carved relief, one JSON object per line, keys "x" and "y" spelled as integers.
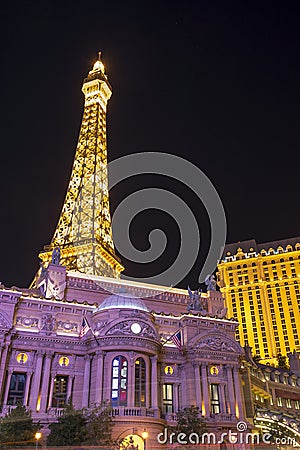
{"x": 217, "y": 343}
{"x": 3, "y": 322}
{"x": 48, "y": 323}
{"x": 27, "y": 322}
{"x": 67, "y": 326}
{"x": 124, "y": 328}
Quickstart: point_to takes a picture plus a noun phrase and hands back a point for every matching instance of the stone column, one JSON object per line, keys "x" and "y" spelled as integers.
{"x": 45, "y": 382}
{"x": 205, "y": 391}
{"x": 70, "y": 386}
{"x": 222, "y": 398}
{"x": 198, "y": 386}
{"x": 130, "y": 381}
{"x": 154, "y": 382}
{"x": 176, "y": 401}
{"x": 86, "y": 381}
{"x": 26, "y": 393}
{"x": 230, "y": 389}
{"x": 99, "y": 376}
{"x": 4, "y": 351}
{"x": 238, "y": 396}
{"x": 51, "y": 390}
{"x": 36, "y": 381}
{"x": 7, "y": 385}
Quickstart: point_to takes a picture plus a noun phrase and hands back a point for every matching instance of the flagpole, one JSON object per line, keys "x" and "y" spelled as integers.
{"x": 179, "y": 329}
{"x": 85, "y": 317}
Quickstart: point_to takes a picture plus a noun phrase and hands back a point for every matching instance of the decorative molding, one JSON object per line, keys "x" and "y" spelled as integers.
{"x": 48, "y": 323}
{"x": 27, "y": 322}
{"x": 4, "y": 322}
{"x": 124, "y": 328}
{"x": 67, "y": 326}
{"x": 216, "y": 342}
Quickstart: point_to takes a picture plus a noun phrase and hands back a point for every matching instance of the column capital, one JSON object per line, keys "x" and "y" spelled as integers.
{"x": 49, "y": 354}
{"x": 228, "y": 366}
{"x": 154, "y": 358}
{"x": 196, "y": 364}
{"x": 40, "y": 353}
{"x": 88, "y": 357}
{"x": 100, "y": 353}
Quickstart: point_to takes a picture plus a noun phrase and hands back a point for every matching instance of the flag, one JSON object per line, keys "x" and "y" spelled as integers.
{"x": 176, "y": 339}
{"x": 84, "y": 328}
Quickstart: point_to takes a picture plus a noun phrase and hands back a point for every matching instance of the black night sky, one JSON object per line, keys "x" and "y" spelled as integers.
{"x": 214, "y": 82}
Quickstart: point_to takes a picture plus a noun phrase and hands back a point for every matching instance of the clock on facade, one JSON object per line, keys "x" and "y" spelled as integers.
{"x": 136, "y": 328}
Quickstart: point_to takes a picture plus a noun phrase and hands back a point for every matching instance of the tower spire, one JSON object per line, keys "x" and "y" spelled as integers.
{"x": 83, "y": 232}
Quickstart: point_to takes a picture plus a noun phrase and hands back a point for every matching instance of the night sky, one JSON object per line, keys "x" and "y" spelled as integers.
{"x": 216, "y": 83}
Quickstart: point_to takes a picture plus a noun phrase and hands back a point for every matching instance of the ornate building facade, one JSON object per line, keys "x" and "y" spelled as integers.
{"x": 82, "y": 333}
{"x": 126, "y": 358}
{"x": 261, "y": 286}
{"x": 272, "y": 397}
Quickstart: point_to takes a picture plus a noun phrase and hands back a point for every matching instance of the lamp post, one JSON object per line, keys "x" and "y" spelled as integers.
{"x": 37, "y": 436}
{"x": 145, "y": 435}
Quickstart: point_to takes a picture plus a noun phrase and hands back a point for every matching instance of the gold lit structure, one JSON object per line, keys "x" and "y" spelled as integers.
{"x": 83, "y": 233}
{"x": 261, "y": 285}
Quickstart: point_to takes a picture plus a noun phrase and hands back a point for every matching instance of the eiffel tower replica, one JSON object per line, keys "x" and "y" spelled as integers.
{"x": 83, "y": 234}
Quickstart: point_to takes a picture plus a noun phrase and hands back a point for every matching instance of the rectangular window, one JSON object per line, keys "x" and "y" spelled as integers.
{"x": 288, "y": 403}
{"x": 214, "y": 399}
{"x": 16, "y": 388}
{"x": 60, "y": 387}
{"x": 279, "y": 401}
{"x": 167, "y": 398}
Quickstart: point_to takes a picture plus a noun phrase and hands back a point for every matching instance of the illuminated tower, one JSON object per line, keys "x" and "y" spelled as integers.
{"x": 83, "y": 233}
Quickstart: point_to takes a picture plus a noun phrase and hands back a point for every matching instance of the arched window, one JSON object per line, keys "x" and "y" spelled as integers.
{"x": 119, "y": 381}
{"x": 140, "y": 383}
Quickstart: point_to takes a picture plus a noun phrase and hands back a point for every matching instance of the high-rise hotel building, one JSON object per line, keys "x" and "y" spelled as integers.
{"x": 261, "y": 286}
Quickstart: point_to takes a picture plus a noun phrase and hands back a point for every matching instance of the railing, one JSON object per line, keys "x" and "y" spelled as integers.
{"x": 222, "y": 417}
{"x": 121, "y": 411}
{"x": 125, "y": 411}
{"x": 55, "y": 412}
{"x": 170, "y": 417}
{"x": 6, "y": 409}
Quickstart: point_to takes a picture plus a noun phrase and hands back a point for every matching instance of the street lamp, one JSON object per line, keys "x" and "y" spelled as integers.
{"x": 37, "y": 436}
{"x": 145, "y": 435}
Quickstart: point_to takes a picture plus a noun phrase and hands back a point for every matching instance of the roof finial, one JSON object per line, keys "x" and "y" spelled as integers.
{"x": 98, "y": 66}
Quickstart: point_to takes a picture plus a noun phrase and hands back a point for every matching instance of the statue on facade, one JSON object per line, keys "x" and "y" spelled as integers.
{"x": 48, "y": 322}
{"x": 211, "y": 283}
{"x": 56, "y": 256}
{"x": 196, "y": 303}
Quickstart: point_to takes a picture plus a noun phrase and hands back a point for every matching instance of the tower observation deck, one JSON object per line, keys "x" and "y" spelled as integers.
{"x": 83, "y": 233}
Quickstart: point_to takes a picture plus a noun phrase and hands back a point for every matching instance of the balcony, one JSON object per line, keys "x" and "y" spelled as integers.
{"x": 55, "y": 412}
{"x": 6, "y": 409}
{"x": 124, "y": 411}
{"x": 222, "y": 417}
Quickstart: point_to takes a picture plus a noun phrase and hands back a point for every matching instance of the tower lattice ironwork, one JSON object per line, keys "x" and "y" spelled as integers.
{"x": 84, "y": 233}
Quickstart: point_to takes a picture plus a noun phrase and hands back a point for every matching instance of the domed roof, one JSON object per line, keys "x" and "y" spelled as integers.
{"x": 122, "y": 301}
